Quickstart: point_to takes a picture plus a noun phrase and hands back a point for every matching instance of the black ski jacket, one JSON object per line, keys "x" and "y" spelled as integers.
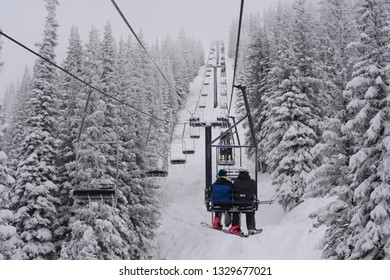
{"x": 245, "y": 188}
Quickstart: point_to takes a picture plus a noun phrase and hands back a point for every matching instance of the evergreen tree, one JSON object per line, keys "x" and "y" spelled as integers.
{"x": 361, "y": 230}
{"x": 9, "y": 239}
{"x": 17, "y": 127}
{"x": 34, "y": 194}
{"x": 257, "y": 67}
{"x": 71, "y": 94}
{"x": 335, "y": 33}
{"x": 293, "y": 116}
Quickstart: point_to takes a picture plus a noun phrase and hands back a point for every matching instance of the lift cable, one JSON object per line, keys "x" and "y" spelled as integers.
{"x": 78, "y": 79}
{"x": 236, "y": 57}
{"x": 142, "y": 45}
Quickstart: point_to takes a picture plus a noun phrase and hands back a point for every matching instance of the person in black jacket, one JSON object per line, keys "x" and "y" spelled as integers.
{"x": 221, "y": 192}
{"x": 245, "y": 189}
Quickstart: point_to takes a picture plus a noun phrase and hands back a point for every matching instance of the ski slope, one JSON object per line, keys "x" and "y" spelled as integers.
{"x": 180, "y": 235}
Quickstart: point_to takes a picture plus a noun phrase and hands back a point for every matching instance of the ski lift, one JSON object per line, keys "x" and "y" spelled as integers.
{"x": 231, "y": 162}
{"x": 226, "y": 154}
{"x": 223, "y": 92}
{"x": 155, "y": 163}
{"x": 95, "y": 189}
{"x": 159, "y": 170}
{"x": 223, "y": 103}
{"x": 178, "y": 145}
{"x": 194, "y": 132}
{"x": 189, "y": 148}
{"x": 202, "y": 103}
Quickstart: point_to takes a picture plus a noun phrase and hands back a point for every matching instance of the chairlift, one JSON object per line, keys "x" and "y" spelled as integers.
{"x": 189, "y": 147}
{"x": 155, "y": 163}
{"x": 177, "y": 148}
{"x": 226, "y": 154}
{"x": 223, "y": 103}
{"x": 194, "y": 132}
{"x": 202, "y": 103}
{"x": 103, "y": 189}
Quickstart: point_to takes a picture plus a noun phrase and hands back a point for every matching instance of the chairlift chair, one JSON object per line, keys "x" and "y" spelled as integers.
{"x": 177, "y": 155}
{"x": 105, "y": 192}
{"x": 194, "y": 132}
{"x": 202, "y": 103}
{"x": 223, "y": 103}
{"x": 158, "y": 169}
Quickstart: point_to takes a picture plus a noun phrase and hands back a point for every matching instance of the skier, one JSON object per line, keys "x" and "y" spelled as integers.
{"x": 221, "y": 191}
{"x": 223, "y": 154}
{"x": 245, "y": 189}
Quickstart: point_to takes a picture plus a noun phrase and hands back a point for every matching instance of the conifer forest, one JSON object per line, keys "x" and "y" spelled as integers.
{"x": 318, "y": 83}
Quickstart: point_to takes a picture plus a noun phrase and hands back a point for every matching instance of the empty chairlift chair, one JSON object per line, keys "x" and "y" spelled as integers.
{"x": 156, "y": 166}
{"x": 202, "y": 103}
{"x": 92, "y": 187}
{"x": 177, "y": 155}
{"x": 189, "y": 148}
{"x": 194, "y": 132}
{"x": 223, "y": 104}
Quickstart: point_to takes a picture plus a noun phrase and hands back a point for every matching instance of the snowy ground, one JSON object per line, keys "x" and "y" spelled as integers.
{"x": 180, "y": 236}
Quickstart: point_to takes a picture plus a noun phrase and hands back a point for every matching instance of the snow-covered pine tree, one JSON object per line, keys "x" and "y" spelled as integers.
{"x": 365, "y": 233}
{"x": 98, "y": 230}
{"x": 71, "y": 96}
{"x": 9, "y": 239}
{"x": 335, "y": 32}
{"x": 293, "y": 116}
{"x": 256, "y": 70}
{"x": 34, "y": 196}
{"x": 8, "y": 102}
{"x": 15, "y": 131}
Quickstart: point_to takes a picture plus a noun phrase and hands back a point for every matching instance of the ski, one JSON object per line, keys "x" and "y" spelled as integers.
{"x": 244, "y": 235}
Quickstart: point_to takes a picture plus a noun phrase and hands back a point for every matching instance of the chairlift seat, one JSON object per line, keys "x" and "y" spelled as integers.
{"x": 104, "y": 194}
{"x": 226, "y": 162}
{"x": 156, "y": 173}
{"x": 195, "y": 136}
{"x": 232, "y": 173}
{"x": 178, "y": 161}
{"x": 188, "y": 152}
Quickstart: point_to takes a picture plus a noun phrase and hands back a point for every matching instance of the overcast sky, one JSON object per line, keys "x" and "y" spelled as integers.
{"x": 206, "y": 20}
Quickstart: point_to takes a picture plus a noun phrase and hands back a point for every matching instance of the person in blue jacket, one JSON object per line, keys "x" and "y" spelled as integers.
{"x": 221, "y": 191}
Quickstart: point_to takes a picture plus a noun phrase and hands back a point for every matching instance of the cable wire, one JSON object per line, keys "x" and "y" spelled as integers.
{"x": 77, "y": 78}
{"x": 235, "y": 59}
{"x": 142, "y": 45}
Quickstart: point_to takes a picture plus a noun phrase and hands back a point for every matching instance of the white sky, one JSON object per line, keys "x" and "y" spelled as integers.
{"x": 24, "y": 20}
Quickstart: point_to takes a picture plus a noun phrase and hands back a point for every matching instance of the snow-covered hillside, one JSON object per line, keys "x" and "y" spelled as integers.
{"x": 180, "y": 236}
